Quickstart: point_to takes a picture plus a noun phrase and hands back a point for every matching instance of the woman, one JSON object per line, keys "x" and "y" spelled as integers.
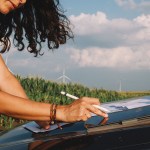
{"x": 36, "y": 21}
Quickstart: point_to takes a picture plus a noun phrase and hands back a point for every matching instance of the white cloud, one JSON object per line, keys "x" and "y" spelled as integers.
{"x": 116, "y": 32}
{"x": 88, "y": 23}
{"x": 143, "y": 20}
{"x": 121, "y": 57}
{"x": 129, "y": 3}
{"x": 130, "y": 41}
{"x": 126, "y": 44}
{"x": 143, "y": 5}
{"x": 94, "y": 24}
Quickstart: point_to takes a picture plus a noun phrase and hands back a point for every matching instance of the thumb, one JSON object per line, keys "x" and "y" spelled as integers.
{"x": 46, "y": 127}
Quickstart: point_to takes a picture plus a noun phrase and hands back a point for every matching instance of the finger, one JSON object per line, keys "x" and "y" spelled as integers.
{"x": 84, "y": 118}
{"x": 104, "y": 121}
{"x": 88, "y": 114}
{"x": 47, "y": 127}
{"x": 44, "y": 124}
{"x": 22, "y": 1}
{"x": 91, "y": 100}
{"x": 96, "y": 111}
{"x": 15, "y": 3}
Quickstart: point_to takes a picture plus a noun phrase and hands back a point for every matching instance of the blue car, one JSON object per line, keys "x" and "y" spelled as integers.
{"x": 126, "y": 128}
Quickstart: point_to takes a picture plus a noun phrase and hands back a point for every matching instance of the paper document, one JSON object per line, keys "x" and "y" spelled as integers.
{"x": 128, "y": 104}
{"x": 34, "y": 127}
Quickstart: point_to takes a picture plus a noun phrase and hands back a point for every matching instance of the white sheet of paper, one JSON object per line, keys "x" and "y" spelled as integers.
{"x": 124, "y": 105}
{"x": 34, "y": 127}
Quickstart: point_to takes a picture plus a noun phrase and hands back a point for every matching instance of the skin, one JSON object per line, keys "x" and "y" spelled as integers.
{"x": 8, "y": 5}
{"x": 14, "y": 101}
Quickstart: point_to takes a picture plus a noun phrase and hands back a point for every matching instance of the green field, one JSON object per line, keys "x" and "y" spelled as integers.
{"x": 46, "y": 91}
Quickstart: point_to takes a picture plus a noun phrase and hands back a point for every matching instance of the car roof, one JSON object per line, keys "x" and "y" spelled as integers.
{"x": 20, "y": 135}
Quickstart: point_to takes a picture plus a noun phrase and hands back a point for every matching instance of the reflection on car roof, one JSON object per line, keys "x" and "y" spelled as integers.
{"x": 127, "y": 104}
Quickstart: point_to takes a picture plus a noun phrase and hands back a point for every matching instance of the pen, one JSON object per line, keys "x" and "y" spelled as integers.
{"x": 69, "y": 95}
{"x": 74, "y": 97}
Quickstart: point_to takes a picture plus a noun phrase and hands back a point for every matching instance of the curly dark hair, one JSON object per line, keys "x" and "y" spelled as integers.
{"x": 37, "y": 21}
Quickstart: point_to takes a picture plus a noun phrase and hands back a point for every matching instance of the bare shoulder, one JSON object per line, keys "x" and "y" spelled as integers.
{"x": 3, "y": 68}
{"x": 2, "y": 63}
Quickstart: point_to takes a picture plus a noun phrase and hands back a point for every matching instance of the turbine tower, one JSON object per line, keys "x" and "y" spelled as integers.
{"x": 120, "y": 86}
{"x": 64, "y": 78}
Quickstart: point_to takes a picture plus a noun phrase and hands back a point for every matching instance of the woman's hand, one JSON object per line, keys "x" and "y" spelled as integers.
{"x": 79, "y": 110}
{"x": 44, "y": 124}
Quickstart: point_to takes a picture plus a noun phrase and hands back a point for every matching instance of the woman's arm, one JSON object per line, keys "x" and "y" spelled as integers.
{"x": 23, "y": 108}
{"x": 8, "y": 82}
{"x": 14, "y": 102}
{"x": 18, "y": 107}
{"x": 10, "y": 86}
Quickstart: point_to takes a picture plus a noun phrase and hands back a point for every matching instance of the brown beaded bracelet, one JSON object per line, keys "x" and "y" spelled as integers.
{"x": 54, "y": 112}
{"x": 53, "y": 108}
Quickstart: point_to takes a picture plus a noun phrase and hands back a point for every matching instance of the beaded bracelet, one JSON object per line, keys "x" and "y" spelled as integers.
{"x": 53, "y": 109}
{"x": 53, "y": 113}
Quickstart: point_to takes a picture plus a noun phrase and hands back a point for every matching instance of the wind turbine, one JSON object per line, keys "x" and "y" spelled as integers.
{"x": 64, "y": 78}
{"x": 120, "y": 86}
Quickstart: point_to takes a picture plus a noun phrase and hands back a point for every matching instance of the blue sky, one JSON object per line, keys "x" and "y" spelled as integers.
{"x": 109, "y": 7}
{"x": 111, "y": 46}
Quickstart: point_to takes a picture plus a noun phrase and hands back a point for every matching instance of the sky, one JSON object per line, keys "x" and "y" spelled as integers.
{"x": 111, "y": 48}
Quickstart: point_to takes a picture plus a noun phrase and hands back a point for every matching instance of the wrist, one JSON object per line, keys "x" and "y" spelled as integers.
{"x": 60, "y": 113}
